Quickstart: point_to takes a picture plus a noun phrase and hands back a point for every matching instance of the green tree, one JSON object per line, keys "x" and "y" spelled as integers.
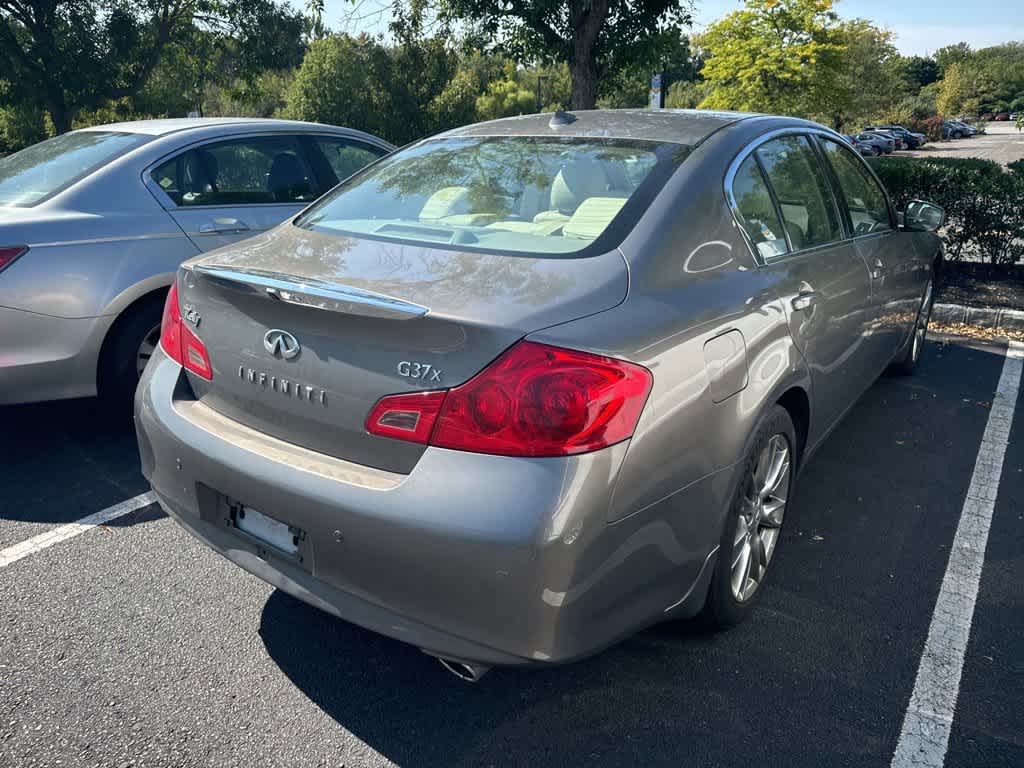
{"x": 74, "y": 55}
{"x": 396, "y": 92}
{"x": 949, "y": 55}
{"x": 504, "y": 97}
{"x": 772, "y": 56}
{"x": 630, "y": 86}
{"x": 863, "y": 83}
{"x": 916, "y": 72}
{"x": 20, "y": 126}
{"x": 595, "y": 37}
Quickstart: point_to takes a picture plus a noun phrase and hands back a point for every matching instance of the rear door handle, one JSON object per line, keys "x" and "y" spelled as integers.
{"x": 804, "y": 300}
{"x": 878, "y": 270}
{"x": 223, "y": 227}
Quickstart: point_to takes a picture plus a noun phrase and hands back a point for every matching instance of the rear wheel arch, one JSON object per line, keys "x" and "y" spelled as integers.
{"x": 798, "y": 405}
{"x": 148, "y": 304}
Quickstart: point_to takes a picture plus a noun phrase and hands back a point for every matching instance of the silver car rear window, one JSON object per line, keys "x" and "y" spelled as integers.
{"x": 42, "y": 170}
{"x": 544, "y": 196}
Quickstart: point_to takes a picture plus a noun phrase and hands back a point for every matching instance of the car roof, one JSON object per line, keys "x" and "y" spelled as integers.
{"x": 165, "y": 126}
{"x": 683, "y": 126}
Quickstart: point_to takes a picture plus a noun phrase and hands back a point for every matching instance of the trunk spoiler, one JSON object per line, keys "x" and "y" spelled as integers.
{"x": 310, "y": 292}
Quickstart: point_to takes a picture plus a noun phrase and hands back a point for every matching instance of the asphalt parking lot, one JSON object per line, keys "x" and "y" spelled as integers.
{"x": 1001, "y": 142}
{"x": 132, "y": 645}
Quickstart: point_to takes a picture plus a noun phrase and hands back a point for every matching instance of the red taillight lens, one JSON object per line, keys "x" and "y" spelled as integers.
{"x": 534, "y": 400}
{"x": 179, "y": 342}
{"x": 170, "y": 326}
{"x": 8, "y": 253}
{"x": 406, "y": 417}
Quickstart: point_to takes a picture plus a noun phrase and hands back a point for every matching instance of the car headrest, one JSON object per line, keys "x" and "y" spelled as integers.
{"x": 578, "y": 178}
{"x": 447, "y": 201}
{"x": 287, "y": 179}
{"x": 200, "y": 172}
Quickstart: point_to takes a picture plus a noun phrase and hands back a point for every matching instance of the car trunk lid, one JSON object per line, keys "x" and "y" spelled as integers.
{"x": 307, "y": 330}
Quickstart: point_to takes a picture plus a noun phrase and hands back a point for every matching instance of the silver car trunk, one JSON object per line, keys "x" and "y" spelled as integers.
{"x": 362, "y": 319}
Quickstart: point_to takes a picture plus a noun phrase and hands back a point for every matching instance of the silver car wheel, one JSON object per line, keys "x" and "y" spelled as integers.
{"x": 921, "y": 326}
{"x": 760, "y": 519}
{"x": 146, "y": 349}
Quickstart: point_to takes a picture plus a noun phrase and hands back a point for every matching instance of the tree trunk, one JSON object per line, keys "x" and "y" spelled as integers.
{"x": 584, "y": 83}
{"x": 59, "y": 113}
{"x": 586, "y": 18}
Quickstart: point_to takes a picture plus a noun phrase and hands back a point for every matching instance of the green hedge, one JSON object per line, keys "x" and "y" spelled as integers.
{"x": 984, "y": 202}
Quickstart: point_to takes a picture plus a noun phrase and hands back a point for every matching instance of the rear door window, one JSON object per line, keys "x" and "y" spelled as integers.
{"x": 804, "y": 197}
{"x": 257, "y": 170}
{"x": 865, "y": 200}
{"x": 757, "y": 211}
{"x": 345, "y": 156}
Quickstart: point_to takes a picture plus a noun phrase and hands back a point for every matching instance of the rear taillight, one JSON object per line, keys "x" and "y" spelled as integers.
{"x": 179, "y": 342}
{"x": 8, "y": 253}
{"x": 534, "y": 400}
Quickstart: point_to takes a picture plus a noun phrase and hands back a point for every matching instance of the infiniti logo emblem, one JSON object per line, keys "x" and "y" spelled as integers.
{"x": 281, "y": 344}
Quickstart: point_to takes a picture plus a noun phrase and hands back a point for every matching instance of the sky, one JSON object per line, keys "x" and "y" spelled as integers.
{"x": 921, "y": 26}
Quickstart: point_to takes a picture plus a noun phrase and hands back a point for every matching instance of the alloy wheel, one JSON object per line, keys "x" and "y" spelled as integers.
{"x": 762, "y": 509}
{"x": 146, "y": 349}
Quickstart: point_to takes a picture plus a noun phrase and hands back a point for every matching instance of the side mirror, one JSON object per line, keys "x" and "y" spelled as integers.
{"x": 920, "y": 216}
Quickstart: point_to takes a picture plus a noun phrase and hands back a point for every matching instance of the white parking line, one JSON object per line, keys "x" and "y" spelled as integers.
{"x": 924, "y": 738}
{"x": 64, "y": 532}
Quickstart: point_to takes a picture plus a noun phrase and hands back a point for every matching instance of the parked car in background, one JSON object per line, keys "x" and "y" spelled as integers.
{"x": 885, "y": 143}
{"x": 909, "y": 140}
{"x": 94, "y": 223}
{"x": 897, "y": 141}
{"x": 475, "y": 356}
{"x": 1002, "y": 117}
{"x": 865, "y": 149}
{"x": 957, "y": 129}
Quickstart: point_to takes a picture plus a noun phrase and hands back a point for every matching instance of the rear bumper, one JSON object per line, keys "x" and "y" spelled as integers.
{"x": 44, "y": 357}
{"x": 488, "y": 559}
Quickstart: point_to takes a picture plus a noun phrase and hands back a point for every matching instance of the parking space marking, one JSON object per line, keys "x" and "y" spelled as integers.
{"x": 64, "y": 532}
{"x": 924, "y": 737}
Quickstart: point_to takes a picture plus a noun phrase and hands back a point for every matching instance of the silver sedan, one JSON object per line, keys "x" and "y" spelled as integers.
{"x": 94, "y": 223}
{"x": 523, "y": 388}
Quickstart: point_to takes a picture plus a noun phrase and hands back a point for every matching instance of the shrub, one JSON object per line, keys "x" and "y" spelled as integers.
{"x": 985, "y": 220}
{"x": 929, "y": 126}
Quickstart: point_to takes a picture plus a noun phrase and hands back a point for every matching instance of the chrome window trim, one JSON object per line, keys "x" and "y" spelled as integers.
{"x": 749, "y": 149}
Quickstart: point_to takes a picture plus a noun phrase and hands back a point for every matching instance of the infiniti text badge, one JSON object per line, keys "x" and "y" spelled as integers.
{"x": 281, "y": 344}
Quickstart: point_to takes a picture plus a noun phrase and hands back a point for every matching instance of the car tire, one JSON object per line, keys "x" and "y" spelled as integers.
{"x": 127, "y": 341}
{"x": 907, "y": 363}
{"x": 753, "y": 522}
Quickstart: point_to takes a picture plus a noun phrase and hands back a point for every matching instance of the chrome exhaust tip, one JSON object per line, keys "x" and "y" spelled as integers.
{"x": 466, "y": 671}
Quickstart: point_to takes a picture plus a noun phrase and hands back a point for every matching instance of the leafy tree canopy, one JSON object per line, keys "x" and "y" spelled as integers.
{"x": 772, "y": 56}
{"x": 72, "y": 55}
{"x": 595, "y": 37}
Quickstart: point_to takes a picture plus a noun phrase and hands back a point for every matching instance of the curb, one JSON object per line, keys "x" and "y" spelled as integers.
{"x": 954, "y": 314}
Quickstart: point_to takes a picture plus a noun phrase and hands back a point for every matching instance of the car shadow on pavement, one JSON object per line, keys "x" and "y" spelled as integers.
{"x": 67, "y": 460}
{"x": 607, "y": 709}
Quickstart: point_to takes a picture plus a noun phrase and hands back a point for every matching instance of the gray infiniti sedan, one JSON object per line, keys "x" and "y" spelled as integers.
{"x": 94, "y": 223}
{"x": 523, "y": 388}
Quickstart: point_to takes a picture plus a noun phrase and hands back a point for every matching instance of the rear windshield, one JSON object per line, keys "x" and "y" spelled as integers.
{"x": 33, "y": 174}
{"x": 525, "y": 195}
